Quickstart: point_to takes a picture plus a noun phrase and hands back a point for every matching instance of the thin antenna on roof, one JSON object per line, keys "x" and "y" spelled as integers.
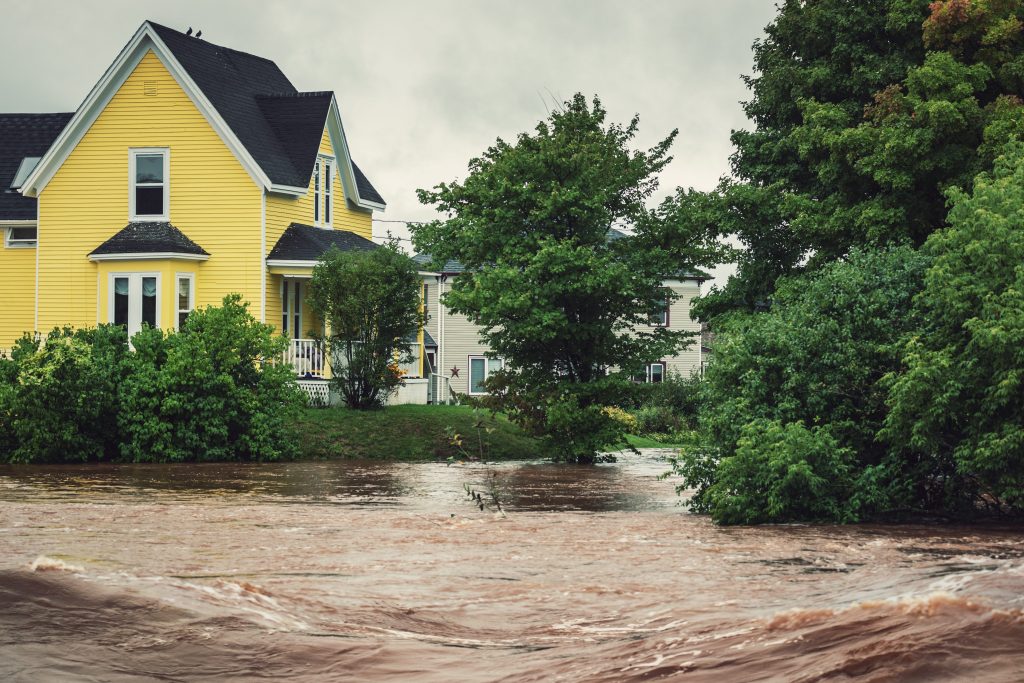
{"x": 199, "y": 33}
{"x": 189, "y": 31}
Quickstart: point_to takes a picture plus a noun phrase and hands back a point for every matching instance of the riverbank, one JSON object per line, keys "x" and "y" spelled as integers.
{"x": 412, "y": 433}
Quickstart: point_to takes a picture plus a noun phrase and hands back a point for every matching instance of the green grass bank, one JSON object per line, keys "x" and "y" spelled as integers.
{"x": 412, "y": 432}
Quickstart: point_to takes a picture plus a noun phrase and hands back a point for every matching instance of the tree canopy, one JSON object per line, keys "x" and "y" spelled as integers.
{"x": 370, "y": 302}
{"x": 556, "y": 290}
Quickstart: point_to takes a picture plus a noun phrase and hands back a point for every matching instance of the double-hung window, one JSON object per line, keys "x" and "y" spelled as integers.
{"x": 186, "y": 297}
{"x": 134, "y": 300}
{"x": 21, "y": 237}
{"x": 480, "y": 368}
{"x": 149, "y": 196}
{"x": 323, "y": 179}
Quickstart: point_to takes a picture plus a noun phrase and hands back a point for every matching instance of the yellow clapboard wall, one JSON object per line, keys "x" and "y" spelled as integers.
{"x": 213, "y": 200}
{"x": 18, "y": 284}
{"x": 282, "y": 211}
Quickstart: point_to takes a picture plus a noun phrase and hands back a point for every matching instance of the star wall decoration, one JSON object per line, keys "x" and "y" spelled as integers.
{"x": 455, "y": 371}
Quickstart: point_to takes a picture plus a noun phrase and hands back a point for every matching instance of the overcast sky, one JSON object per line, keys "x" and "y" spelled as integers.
{"x": 424, "y": 85}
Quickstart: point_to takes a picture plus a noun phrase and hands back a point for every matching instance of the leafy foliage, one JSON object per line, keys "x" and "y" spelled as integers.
{"x": 209, "y": 392}
{"x": 205, "y": 393}
{"x": 960, "y": 401}
{"x": 59, "y": 396}
{"x": 816, "y": 361}
{"x": 553, "y": 291}
{"x": 370, "y": 301}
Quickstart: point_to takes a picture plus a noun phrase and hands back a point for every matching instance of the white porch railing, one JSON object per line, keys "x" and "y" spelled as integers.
{"x": 306, "y": 356}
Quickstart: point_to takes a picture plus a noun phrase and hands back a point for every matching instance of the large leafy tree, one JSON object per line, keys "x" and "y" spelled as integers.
{"x": 552, "y": 293}
{"x": 865, "y": 114}
{"x": 370, "y": 302}
{"x": 960, "y": 400}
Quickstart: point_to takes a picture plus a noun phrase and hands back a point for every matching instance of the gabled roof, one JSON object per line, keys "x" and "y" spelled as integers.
{"x": 448, "y": 268}
{"x": 309, "y": 244}
{"x": 149, "y": 238}
{"x": 23, "y": 136}
{"x": 272, "y": 128}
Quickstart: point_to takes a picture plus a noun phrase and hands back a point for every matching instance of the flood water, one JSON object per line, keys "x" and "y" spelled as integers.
{"x": 383, "y": 571}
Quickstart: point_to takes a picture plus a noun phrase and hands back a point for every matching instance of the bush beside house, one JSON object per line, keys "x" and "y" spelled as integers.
{"x": 204, "y": 393}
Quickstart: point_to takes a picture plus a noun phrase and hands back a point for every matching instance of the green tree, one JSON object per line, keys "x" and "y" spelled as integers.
{"x": 960, "y": 401}
{"x": 806, "y": 376}
{"x": 865, "y": 115}
{"x": 552, "y": 293}
{"x": 370, "y": 301}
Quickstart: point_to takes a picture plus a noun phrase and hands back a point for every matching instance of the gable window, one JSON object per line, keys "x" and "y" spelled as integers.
{"x": 186, "y": 297}
{"x": 19, "y": 237}
{"x": 480, "y": 368}
{"x": 148, "y": 199}
{"x": 134, "y": 300}
{"x": 323, "y": 179}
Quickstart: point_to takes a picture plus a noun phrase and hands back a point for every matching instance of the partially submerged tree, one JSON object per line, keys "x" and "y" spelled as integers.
{"x": 370, "y": 302}
{"x": 552, "y": 294}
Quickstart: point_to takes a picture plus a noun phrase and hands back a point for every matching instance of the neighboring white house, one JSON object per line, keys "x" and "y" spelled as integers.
{"x": 460, "y": 362}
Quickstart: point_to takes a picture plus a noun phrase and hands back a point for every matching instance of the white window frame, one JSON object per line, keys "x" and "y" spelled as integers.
{"x": 134, "y": 277}
{"x": 650, "y": 372}
{"x": 487, "y": 372}
{"x": 133, "y": 154}
{"x": 178, "y": 277}
{"x": 288, "y": 295}
{"x": 10, "y": 243}
{"x": 323, "y": 191}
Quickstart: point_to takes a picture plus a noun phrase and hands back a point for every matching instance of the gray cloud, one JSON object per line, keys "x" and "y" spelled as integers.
{"x": 425, "y": 86}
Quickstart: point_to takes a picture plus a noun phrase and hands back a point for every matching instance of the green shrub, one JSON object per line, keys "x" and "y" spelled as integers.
{"x": 778, "y": 473}
{"x": 657, "y": 420}
{"x": 208, "y": 392}
{"x": 60, "y": 397}
{"x": 205, "y": 393}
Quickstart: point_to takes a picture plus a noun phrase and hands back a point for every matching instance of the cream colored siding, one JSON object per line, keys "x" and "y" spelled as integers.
{"x": 686, "y": 361}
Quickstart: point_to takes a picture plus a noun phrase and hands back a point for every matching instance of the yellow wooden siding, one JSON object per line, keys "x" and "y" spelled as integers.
{"x": 18, "y": 284}
{"x": 213, "y": 200}
{"x": 283, "y": 210}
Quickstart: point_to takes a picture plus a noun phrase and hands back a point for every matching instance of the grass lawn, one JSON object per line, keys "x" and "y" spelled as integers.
{"x": 411, "y": 432}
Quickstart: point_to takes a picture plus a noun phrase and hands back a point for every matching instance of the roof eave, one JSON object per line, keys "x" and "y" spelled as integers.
{"x": 150, "y": 256}
{"x": 101, "y": 94}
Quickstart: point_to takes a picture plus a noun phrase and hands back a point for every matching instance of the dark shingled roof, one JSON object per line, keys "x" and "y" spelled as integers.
{"x": 306, "y": 243}
{"x": 149, "y": 238}
{"x": 449, "y": 267}
{"x": 23, "y": 135}
{"x": 279, "y": 126}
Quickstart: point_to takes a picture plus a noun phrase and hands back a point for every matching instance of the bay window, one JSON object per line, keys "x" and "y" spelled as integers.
{"x": 134, "y": 300}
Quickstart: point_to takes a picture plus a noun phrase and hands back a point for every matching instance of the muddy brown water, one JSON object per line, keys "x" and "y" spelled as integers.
{"x": 378, "y": 571}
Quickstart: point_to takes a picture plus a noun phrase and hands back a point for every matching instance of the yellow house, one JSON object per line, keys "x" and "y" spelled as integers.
{"x": 190, "y": 171}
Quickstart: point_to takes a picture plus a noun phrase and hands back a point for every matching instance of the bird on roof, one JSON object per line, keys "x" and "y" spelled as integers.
{"x": 199, "y": 33}
{"x": 189, "y": 31}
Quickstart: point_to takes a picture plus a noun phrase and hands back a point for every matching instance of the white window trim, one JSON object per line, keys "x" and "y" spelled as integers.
{"x": 191, "y": 277}
{"x": 323, "y": 194}
{"x": 288, "y": 298}
{"x": 130, "y": 275}
{"x": 8, "y": 244}
{"x": 133, "y": 152}
{"x": 650, "y": 372}
{"x": 487, "y": 372}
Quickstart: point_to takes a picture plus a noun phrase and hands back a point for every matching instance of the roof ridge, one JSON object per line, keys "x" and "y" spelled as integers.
{"x": 207, "y": 42}
{"x": 297, "y": 94}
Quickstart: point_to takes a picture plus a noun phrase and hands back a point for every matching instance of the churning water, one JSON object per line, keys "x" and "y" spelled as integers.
{"x": 381, "y": 571}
